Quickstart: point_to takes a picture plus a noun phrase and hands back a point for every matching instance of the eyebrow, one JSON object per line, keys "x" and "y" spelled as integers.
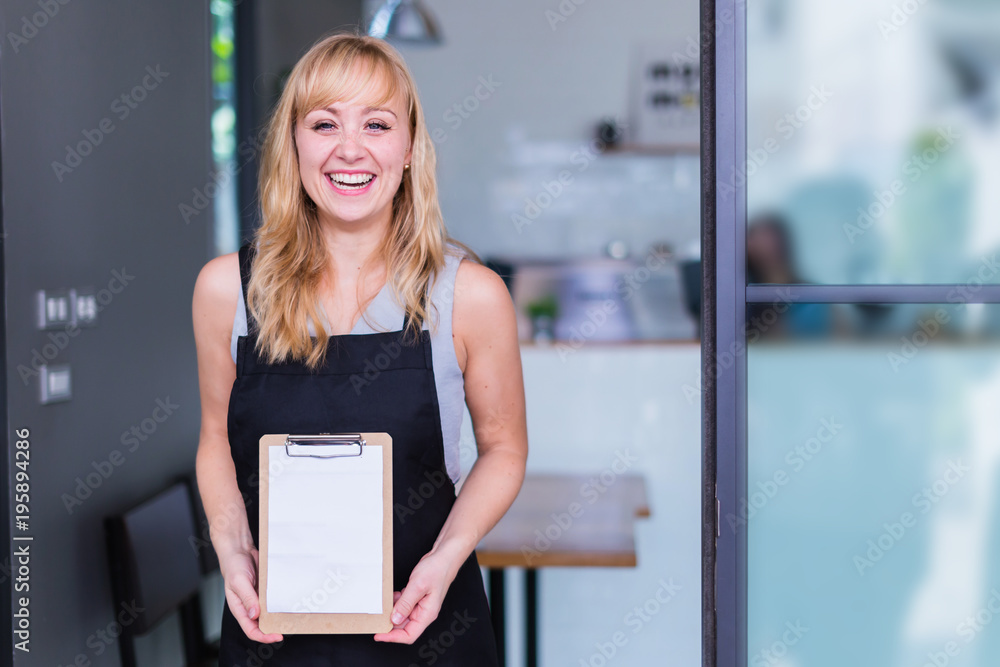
{"x": 333, "y": 110}
{"x": 369, "y": 109}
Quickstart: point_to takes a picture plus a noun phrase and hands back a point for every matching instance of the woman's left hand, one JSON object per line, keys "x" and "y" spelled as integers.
{"x": 418, "y": 604}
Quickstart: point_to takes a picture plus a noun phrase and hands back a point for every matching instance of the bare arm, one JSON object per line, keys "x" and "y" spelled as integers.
{"x": 213, "y": 309}
{"x": 485, "y": 330}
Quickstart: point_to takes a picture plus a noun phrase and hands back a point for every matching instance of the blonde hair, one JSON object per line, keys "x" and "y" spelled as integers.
{"x": 291, "y": 255}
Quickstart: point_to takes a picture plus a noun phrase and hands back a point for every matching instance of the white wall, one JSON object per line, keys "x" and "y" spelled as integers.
{"x": 584, "y": 408}
{"x": 550, "y": 88}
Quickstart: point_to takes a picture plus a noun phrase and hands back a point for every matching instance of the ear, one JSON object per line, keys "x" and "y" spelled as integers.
{"x": 409, "y": 155}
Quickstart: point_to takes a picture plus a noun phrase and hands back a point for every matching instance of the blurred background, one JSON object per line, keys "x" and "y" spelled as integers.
{"x": 872, "y": 429}
{"x": 872, "y": 132}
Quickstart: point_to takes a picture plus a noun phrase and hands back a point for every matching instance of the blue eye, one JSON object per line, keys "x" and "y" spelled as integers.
{"x": 323, "y": 125}
{"x": 377, "y": 125}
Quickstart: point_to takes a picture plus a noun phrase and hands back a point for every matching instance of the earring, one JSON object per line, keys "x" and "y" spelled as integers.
{"x": 406, "y": 166}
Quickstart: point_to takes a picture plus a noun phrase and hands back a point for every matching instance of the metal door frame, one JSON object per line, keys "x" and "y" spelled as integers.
{"x": 724, "y": 302}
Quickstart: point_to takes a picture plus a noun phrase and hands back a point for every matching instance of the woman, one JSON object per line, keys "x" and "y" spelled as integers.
{"x": 352, "y": 263}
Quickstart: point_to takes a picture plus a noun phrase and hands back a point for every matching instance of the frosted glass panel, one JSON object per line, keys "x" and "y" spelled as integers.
{"x": 871, "y": 510}
{"x": 873, "y": 141}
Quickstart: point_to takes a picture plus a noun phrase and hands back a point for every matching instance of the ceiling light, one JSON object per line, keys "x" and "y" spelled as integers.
{"x": 405, "y": 21}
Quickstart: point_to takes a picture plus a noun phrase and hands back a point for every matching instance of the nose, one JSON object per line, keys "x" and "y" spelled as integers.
{"x": 349, "y": 147}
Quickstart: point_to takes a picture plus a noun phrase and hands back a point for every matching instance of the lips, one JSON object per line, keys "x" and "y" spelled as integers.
{"x": 350, "y": 181}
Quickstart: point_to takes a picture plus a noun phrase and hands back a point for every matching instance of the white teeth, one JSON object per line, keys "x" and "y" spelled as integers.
{"x": 351, "y": 180}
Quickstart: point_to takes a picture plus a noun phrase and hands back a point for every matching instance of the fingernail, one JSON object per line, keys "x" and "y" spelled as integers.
{"x": 397, "y": 618}
{"x": 253, "y": 611}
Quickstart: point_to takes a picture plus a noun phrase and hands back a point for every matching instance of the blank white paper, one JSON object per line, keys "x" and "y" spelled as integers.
{"x": 324, "y": 532}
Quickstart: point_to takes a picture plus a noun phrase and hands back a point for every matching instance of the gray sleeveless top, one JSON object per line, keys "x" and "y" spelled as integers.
{"x": 384, "y": 314}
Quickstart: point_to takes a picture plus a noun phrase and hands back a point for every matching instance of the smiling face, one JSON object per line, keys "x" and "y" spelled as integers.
{"x": 351, "y": 156}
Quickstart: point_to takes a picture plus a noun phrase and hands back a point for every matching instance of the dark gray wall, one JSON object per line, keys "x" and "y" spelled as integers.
{"x": 116, "y": 211}
{"x": 286, "y": 30}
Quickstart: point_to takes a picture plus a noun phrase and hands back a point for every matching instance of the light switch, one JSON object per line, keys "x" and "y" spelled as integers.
{"x": 84, "y": 307}
{"x": 55, "y": 383}
{"x": 54, "y": 309}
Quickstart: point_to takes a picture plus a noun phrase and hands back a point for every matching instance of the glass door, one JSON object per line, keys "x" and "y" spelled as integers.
{"x": 853, "y": 368}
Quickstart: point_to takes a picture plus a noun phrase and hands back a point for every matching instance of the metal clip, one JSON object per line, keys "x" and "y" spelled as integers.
{"x": 325, "y": 439}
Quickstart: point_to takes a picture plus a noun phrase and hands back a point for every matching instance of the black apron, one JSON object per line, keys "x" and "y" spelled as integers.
{"x": 370, "y": 382}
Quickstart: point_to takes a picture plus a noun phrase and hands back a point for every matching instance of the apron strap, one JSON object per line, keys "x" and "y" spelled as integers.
{"x": 247, "y": 251}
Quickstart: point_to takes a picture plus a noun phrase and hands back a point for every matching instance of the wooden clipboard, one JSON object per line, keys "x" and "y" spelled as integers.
{"x": 324, "y": 622}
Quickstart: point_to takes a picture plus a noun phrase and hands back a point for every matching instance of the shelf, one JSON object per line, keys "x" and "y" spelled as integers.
{"x": 612, "y": 344}
{"x": 646, "y": 149}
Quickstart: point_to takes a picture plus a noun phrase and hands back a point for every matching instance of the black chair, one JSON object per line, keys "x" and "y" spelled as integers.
{"x": 155, "y": 569}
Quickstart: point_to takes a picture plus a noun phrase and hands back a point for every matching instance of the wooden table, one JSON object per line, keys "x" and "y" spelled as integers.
{"x": 560, "y": 521}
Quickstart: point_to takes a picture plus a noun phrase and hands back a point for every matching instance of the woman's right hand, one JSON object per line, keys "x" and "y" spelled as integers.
{"x": 239, "y": 571}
